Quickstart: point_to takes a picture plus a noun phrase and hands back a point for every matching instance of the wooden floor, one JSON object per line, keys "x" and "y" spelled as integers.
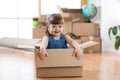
{"x": 15, "y": 65}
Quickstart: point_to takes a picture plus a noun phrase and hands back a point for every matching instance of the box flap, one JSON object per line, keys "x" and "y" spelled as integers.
{"x": 59, "y": 58}
{"x": 88, "y": 44}
{"x": 71, "y": 10}
{"x": 67, "y": 18}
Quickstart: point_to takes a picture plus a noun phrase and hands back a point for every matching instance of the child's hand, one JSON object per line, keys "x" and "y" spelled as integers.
{"x": 77, "y": 53}
{"x": 42, "y": 54}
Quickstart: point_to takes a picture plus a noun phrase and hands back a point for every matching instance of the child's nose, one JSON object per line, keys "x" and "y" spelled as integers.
{"x": 57, "y": 28}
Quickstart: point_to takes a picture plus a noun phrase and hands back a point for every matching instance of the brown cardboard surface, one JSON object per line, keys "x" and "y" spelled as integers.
{"x": 86, "y": 29}
{"x": 72, "y": 13}
{"x": 60, "y": 72}
{"x": 43, "y": 18}
{"x": 67, "y": 26}
{"x": 94, "y": 49}
{"x": 78, "y": 16}
{"x": 83, "y": 2}
{"x": 71, "y": 10}
{"x": 38, "y": 32}
{"x": 59, "y": 58}
{"x": 74, "y": 17}
{"x": 88, "y": 44}
{"x": 59, "y": 63}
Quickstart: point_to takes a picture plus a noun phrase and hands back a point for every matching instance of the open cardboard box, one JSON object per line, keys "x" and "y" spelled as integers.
{"x": 60, "y": 62}
{"x": 72, "y": 14}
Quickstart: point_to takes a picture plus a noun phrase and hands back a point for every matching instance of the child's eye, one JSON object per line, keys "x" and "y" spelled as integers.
{"x": 53, "y": 26}
{"x": 60, "y": 26}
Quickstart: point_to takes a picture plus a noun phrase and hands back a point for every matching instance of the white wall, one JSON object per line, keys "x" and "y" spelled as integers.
{"x": 110, "y": 17}
{"x": 97, "y": 18}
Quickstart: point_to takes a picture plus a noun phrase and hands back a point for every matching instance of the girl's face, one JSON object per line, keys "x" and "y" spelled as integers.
{"x": 55, "y": 29}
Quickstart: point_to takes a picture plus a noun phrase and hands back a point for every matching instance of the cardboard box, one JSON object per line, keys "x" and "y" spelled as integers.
{"x": 38, "y": 32}
{"x": 59, "y": 63}
{"x": 86, "y": 29}
{"x": 68, "y": 25}
{"x": 43, "y": 18}
{"x": 73, "y": 14}
{"x": 92, "y": 49}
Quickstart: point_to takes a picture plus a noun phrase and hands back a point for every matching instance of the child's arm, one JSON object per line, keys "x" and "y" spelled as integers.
{"x": 43, "y": 53}
{"x": 77, "y": 50}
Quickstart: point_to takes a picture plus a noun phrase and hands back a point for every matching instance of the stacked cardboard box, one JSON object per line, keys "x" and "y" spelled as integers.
{"x": 88, "y": 32}
{"x": 76, "y": 23}
{"x": 92, "y": 49}
{"x": 85, "y": 29}
{"x": 40, "y": 31}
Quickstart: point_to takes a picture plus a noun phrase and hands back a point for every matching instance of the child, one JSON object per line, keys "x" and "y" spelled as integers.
{"x": 55, "y": 39}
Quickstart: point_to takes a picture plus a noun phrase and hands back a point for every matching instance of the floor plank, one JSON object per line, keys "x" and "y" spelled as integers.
{"x": 15, "y": 65}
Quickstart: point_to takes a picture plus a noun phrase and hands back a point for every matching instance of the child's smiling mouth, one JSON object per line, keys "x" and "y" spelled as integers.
{"x": 56, "y": 32}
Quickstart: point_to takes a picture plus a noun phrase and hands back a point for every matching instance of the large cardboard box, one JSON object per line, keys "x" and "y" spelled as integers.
{"x": 59, "y": 63}
{"x": 92, "y": 49}
{"x": 73, "y": 14}
{"x": 38, "y": 32}
{"x": 86, "y": 29}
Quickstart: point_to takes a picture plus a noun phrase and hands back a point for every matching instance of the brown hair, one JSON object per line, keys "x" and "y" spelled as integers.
{"x": 53, "y": 19}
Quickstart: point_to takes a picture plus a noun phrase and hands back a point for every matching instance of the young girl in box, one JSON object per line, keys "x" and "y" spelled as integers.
{"x": 55, "y": 39}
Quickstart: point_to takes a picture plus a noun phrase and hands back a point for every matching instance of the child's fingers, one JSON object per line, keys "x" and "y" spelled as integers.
{"x": 74, "y": 52}
{"x": 42, "y": 56}
{"x": 46, "y": 55}
{"x": 78, "y": 56}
